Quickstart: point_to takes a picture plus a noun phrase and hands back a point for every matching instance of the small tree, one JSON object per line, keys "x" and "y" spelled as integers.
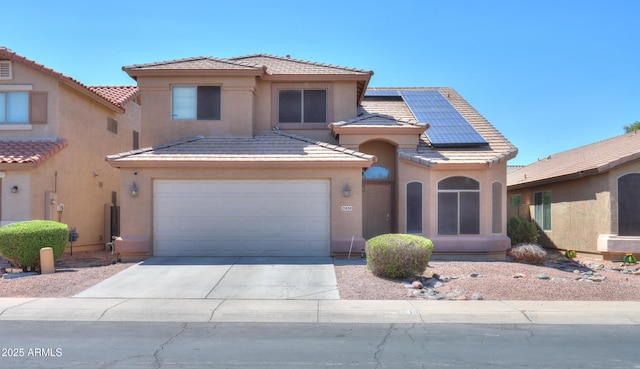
{"x": 632, "y": 127}
{"x": 520, "y": 230}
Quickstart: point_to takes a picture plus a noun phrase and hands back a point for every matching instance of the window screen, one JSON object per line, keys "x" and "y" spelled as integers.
{"x": 414, "y": 207}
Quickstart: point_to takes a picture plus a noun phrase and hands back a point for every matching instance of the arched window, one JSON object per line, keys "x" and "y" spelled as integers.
{"x": 376, "y": 172}
{"x": 629, "y": 205}
{"x": 458, "y": 206}
{"x": 414, "y": 207}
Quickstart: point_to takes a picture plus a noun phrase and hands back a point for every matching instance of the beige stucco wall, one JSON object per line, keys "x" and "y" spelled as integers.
{"x": 137, "y": 212}
{"x": 580, "y": 212}
{"x": 485, "y": 242}
{"x": 237, "y": 99}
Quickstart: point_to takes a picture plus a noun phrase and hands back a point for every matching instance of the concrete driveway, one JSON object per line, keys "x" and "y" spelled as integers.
{"x": 222, "y": 278}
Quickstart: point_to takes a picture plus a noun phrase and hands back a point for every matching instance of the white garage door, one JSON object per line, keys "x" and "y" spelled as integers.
{"x": 241, "y": 218}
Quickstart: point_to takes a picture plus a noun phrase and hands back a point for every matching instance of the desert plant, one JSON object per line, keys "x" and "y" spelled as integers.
{"x": 398, "y": 255}
{"x": 21, "y": 242}
{"x": 520, "y": 230}
{"x": 528, "y": 253}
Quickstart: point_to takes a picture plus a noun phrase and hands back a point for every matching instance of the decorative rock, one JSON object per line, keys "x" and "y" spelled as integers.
{"x": 474, "y": 275}
{"x": 519, "y": 275}
{"x": 417, "y": 285}
{"x": 462, "y": 297}
{"x": 438, "y": 285}
{"x": 543, "y": 276}
{"x": 476, "y": 296}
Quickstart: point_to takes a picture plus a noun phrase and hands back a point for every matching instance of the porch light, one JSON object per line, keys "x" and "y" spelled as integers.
{"x": 14, "y": 189}
{"x": 134, "y": 190}
{"x": 346, "y": 191}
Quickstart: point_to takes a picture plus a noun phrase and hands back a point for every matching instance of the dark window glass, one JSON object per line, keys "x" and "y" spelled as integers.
{"x": 629, "y": 205}
{"x": 208, "y": 103}
{"x": 136, "y": 140}
{"x": 414, "y": 207}
{"x": 315, "y": 106}
{"x": 447, "y": 213}
{"x": 496, "y": 212}
{"x": 290, "y": 108}
{"x": 458, "y": 183}
{"x": 469, "y": 212}
{"x": 542, "y": 209}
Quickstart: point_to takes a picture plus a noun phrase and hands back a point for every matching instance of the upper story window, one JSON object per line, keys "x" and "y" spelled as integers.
{"x": 5, "y": 69}
{"x": 14, "y": 107}
{"x": 195, "y": 102}
{"x": 302, "y": 106}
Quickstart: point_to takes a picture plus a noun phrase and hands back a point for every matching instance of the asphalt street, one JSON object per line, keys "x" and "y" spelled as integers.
{"x": 36, "y": 344}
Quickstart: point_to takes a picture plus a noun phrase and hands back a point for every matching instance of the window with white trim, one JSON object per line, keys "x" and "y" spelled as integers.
{"x": 458, "y": 206}
{"x": 14, "y": 107}
{"x": 195, "y": 102}
{"x": 302, "y": 106}
{"x": 542, "y": 209}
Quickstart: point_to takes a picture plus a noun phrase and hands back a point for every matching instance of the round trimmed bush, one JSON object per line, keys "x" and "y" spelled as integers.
{"x": 21, "y": 242}
{"x": 398, "y": 255}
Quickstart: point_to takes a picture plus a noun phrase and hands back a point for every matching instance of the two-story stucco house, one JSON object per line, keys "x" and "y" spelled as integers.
{"x": 54, "y": 134}
{"x": 265, "y": 155}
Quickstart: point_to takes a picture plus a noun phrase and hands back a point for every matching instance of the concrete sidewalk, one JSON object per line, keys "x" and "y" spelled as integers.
{"x": 321, "y": 311}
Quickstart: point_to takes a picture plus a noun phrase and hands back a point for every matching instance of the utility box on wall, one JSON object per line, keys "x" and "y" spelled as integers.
{"x": 50, "y": 205}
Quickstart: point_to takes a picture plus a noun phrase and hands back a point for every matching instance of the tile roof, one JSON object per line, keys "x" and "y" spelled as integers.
{"x": 287, "y": 65}
{"x": 274, "y": 147}
{"x": 377, "y": 120}
{"x": 119, "y": 95}
{"x": 7, "y": 54}
{"x": 198, "y": 62}
{"x": 33, "y": 152}
{"x": 499, "y": 147}
{"x": 595, "y": 158}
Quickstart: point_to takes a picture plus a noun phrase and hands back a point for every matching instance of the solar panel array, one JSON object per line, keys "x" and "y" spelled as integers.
{"x": 447, "y": 127}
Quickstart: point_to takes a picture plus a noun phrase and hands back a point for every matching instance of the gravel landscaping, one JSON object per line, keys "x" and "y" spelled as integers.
{"x": 558, "y": 279}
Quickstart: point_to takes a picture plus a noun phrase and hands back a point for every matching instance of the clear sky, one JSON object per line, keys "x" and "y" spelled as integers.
{"x": 551, "y": 75}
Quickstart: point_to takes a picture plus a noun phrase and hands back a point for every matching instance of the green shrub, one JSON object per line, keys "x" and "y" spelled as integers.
{"x": 21, "y": 242}
{"x": 398, "y": 255}
{"x": 527, "y": 253}
{"x": 520, "y": 230}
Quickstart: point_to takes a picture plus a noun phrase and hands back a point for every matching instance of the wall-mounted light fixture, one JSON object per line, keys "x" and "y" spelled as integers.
{"x": 134, "y": 190}
{"x": 14, "y": 189}
{"x": 346, "y": 191}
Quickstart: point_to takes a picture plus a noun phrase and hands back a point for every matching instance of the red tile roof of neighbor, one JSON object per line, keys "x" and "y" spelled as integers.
{"x": 595, "y": 158}
{"x": 33, "y": 152}
{"x": 115, "y": 96}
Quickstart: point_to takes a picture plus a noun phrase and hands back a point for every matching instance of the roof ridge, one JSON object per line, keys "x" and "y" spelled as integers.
{"x": 195, "y": 58}
{"x": 374, "y": 115}
{"x": 152, "y": 148}
{"x": 289, "y": 58}
{"x": 327, "y": 145}
{"x": 12, "y": 55}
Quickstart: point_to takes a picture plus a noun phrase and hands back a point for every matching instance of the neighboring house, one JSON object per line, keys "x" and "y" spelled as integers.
{"x": 266, "y": 155}
{"x": 586, "y": 199}
{"x": 54, "y": 134}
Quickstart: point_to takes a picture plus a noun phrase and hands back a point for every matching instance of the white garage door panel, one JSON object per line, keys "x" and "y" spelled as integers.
{"x": 222, "y": 218}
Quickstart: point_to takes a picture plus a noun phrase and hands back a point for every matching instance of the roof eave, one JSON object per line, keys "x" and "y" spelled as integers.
{"x": 124, "y": 163}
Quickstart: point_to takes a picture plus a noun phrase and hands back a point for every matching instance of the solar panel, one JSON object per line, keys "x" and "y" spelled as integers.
{"x": 447, "y": 126}
{"x": 381, "y": 93}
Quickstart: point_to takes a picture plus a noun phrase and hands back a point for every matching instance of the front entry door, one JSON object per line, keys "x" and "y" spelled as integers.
{"x": 378, "y": 217}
